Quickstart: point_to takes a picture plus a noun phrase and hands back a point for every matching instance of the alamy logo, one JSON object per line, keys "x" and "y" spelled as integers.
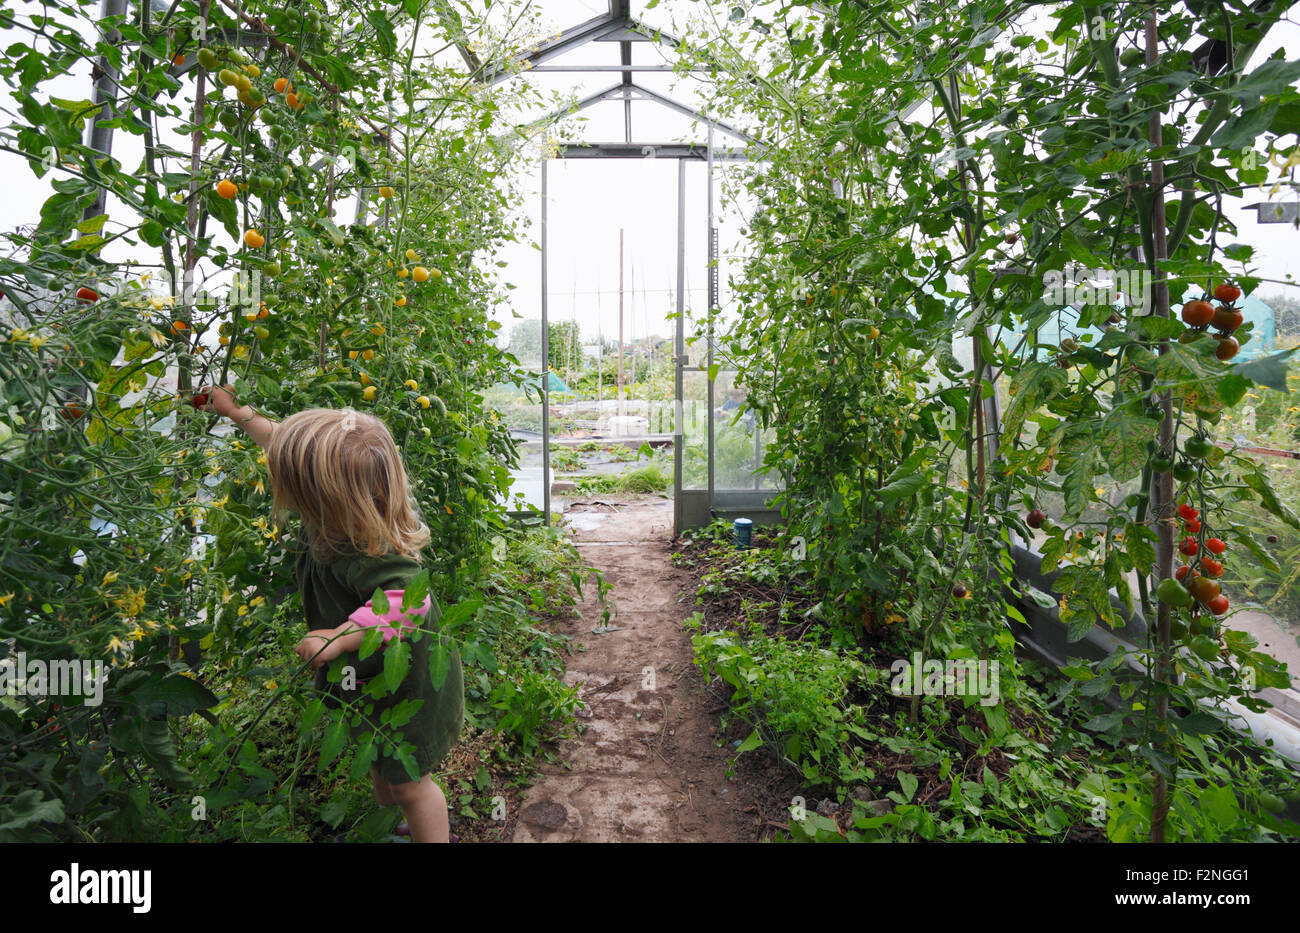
{"x": 953, "y": 677}
{"x": 65, "y": 677}
{"x": 103, "y": 886}
{"x": 1076, "y": 286}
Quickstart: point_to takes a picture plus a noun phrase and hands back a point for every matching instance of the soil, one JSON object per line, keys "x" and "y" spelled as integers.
{"x": 651, "y": 761}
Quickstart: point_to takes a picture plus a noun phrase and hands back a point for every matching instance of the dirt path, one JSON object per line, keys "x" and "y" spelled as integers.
{"x": 646, "y": 767}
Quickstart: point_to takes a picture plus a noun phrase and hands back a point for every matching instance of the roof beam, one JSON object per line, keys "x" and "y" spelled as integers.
{"x": 651, "y": 151}
{"x": 691, "y": 112}
{"x": 550, "y": 48}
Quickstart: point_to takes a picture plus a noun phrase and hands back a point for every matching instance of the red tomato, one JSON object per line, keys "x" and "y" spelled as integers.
{"x": 1215, "y": 546}
{"x": 1197, "y": 313}
{"x": 1189, "y": 547}
{"x": 1218, "y": 605}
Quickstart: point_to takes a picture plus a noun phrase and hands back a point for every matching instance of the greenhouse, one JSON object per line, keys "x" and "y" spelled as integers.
{"x": 668, "y": 421}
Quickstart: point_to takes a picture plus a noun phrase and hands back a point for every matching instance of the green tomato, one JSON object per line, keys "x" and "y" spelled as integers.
{"x": 208, "y": 59}
{"x": 1198, "y": 448}
{"x": 1161, "y": 464}
{"x": 1178, "y": 629}
{"x": 1184, "y": 472}
{"x": 1173, "y": 593}
{"x": 261, "y": 332}
{"x": 1272, "y": 802}
{"x": 1205, "y": 647}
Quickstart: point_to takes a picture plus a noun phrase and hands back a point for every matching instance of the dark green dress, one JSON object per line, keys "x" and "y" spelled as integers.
{"x": 332, "y": 591}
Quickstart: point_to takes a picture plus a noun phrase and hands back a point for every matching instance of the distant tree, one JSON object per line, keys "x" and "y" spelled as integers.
{"x": 1286, "y": 313}
{"x": 526, "y": 342}
{"x": 564, "y": 347}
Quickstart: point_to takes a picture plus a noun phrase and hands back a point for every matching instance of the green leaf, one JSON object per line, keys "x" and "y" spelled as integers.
{"x": 753, "y": 741}
{"x": 416, "y": 591}
{"x": 156, "y": 742}
{"x": 397, "y": 661}
{"x": 92, "y": 224}
{"x": 29, "y": 807}
{"x": 379, "y": 602}
{"x": 331, "y": 230}
{"x": 1267, "y": 371}
{"x": 179, "y": 694}
{"x": 370, "y": 642}
{"x": 1258, "y": 481}
{"x": 456, "y": 615}
{"x": 332, "y": 744}
{"x": 1232, "y": 388}
{"x": 908, "y": 783}
{"x": 903, "y": 488}
{"x": 439, "y": 664}
{"x": 384, "y": 31}
{"x": 1122, "y": 442}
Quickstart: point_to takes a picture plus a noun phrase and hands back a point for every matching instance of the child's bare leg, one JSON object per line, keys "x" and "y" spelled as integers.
{"x": 425, "y": 808}
{"x": 383, "y": 790}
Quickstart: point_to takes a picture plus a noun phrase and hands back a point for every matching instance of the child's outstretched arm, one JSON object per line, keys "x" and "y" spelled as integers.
{"x": 258, "y": 427}
{"x": 324, "y": 645}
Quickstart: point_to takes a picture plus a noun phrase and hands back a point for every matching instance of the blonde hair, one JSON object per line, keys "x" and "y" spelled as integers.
{"x": 342, "y": 473}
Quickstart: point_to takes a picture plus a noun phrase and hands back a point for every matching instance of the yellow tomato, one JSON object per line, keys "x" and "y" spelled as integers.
{"x": 367, "y": 355}
{"x": 424, "y": 401}
{"x": 369, "y": 393}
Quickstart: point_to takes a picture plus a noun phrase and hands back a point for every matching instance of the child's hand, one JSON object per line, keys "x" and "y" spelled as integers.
{"x": 222, "y": 400}
{"x": 319, "y": 647}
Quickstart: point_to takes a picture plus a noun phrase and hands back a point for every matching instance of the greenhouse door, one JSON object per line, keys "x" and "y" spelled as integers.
{"x": 708, "y": 484}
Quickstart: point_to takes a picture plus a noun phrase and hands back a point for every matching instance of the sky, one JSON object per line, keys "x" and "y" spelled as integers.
{"x": 590, "y": 201}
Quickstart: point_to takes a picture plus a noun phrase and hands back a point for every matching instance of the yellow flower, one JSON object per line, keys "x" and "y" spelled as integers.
{"x": 157, "y": 339}
{"x": 131, "y": 602}
{"x": 18, "y": 334}
{"x": 225, "y": 597}
{"x": 137, "y": 633}
{"x": 110, "y": 577}
{"x": 241, "y": 611}
{"x": 38, "y": 342}
{"x": 256, "y": 601}
{"x": 4, "y": 600}
{"x": 114, "y": 644}
{"x": 271, "y": 685}
{"x": 1099, "y": 491}
{"x": 221, "y": 502}
{"x": 258, "y": 486}
{"x": 261, "y": 458}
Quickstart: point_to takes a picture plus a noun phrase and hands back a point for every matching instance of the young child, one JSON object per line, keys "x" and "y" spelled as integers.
{"x": 341, "y": 472}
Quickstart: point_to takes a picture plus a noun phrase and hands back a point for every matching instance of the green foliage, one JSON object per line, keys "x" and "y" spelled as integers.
{"x": 899, "y": 273}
